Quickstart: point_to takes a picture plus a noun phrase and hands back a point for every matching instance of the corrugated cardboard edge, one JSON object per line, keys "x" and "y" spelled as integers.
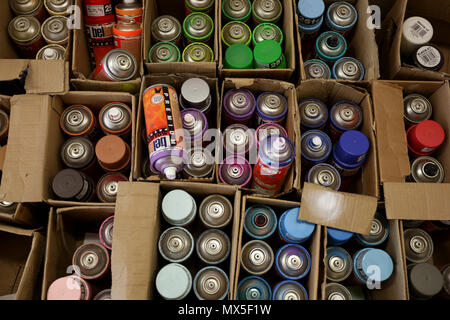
{"x": 23, "y": 216}
{"x": 340, "y": 210}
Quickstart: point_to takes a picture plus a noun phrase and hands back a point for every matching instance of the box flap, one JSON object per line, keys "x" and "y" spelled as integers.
{"x": 346, "y": 211}
{"x": 136, "y": 230}
{"x": 417, "y": 201}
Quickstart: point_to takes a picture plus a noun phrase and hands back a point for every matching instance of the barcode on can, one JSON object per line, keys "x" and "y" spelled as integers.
{"x": 419, "y": 30}
{"x": 428, "y": 56}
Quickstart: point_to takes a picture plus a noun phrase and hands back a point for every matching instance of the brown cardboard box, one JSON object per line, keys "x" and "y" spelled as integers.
{"x": 349, "y": 211}
{"x": 35, "y": 139}
{"x": 286, "y": 25}
{"x": 81, "y": 66}
{"x": 23, "y": 75}
{"x": 21, "y": 254}
{"x": 69, "y": 228}
{"x": 361, "y": 43}
{"x": 176, "y": 81}
{"x": 257, "y": 86}
{"x": 135, "y": 259}
{"x": 394, "y": 66}
{"x": 311, "y": 281}
{"x": 410, "y": 201}
{"x": 156, "y": 8}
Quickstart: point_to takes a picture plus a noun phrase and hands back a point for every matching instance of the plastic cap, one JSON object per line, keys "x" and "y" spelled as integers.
{"x": 170, "y": 172}
{"x": 238, "y": 56}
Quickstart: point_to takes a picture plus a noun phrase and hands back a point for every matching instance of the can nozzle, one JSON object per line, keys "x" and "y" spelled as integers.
{"x": 333, "y": 42}
{"x": 170, "y": 172}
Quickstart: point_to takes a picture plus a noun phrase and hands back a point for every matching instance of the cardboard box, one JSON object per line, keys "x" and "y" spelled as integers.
{"x": 361, "y": 43}
{"x": 25, "y": 75}
{"x": 176, "y": 81}
{"x": 286, "y": 25}
{"x": 137, "y": 227}
{"x": 35, "y": 141}
{"x": 156, "y": 8}
{"x": 21, "y": 254}
{"x": 311, "y": 281}
{"x": 394, "y": 66}
{"x": 349, "y": 211}
{"x": 69, "y": 228}
{"x": 81, "y": 65}
{"x": 292, "y": 122}
{"x": 410, "y": 201}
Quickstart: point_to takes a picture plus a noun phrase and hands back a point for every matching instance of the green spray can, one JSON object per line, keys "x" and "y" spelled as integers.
{"x": 267, "y": 31}
{"x": 238, "y": 56}
{"x": 269, "y": 55}
{"x": 198, "y": 27}
{"x": 236, "y": 32}
{"x": 236, "y": 10}
{"x": 164, "y": 52}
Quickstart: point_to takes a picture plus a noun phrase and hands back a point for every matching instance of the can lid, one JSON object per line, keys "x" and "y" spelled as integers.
{"x": 238, "y": 56}
{"x": 112, "y": 152}
{"x": 311, "y": 9}
{"x": 267, "y": 51}
{"x": 417, "y": 30}
{"x": 178, "y": 205}
{"x": 292, "y": 229}
{"x": 430, "y": 133}
{"x": 339, "y": 235}
{"x": 174, "y": 281}
{"x": 354, "y": 143}
{"x": 68, "y": 183}
{"x": 426, "y": 279}
{"x": 68, "y": 288}
{"x": 195, "y": 90}
{"x": 379, "y": 258}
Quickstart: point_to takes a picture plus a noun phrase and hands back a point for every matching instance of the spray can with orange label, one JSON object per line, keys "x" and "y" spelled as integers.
{"x": 128, "y": 36}
{"x": 165, "y": 137}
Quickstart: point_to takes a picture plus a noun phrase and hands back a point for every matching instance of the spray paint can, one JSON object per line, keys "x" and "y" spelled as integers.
{"x": 70, "y": 288}
{"x": 337, "y": 237}
{"x": 113, "y": 154}
{"x": 195, "y": 93}
{"x": 341, "y": 17}
{"x": 166, "y": 28}
{"x": 205, "y": 6}
{"x": 78, "y": 153}
{"x": 266, "y": 11}
{"x": 105, "y": 232}
{"x": 78, "y": 120}
{"x": 176, "y": 244}
{"x": 4, "y": 127}
{"x": 213, "y": 246}
{"x": 238, "y": 56}
{"x": 310, "y": 12}
{"x": 55, "y": 31}
{"x": 325, "y": 175}
{"x": 417, "y": 108}
{"x": 198, "y": 27}
{"x": 236, "y": 32}
{"x": 51, "y": 52}
{"x": 107, "y": 186}
{"x": 73, "y": 185}
{"x": 25, "y": 31}
{"x": 315, "y": 147}
{"x": 195, "y": 124}
{"x": 164, "y": 52}
{"x": 293, "y": 262}
{"x": 268, "y": 128}
{"x": 339, "y": 264}
{"x": 115, "y": 118}
{"x": 293, "y": 230}
{"x": 289, "y": 290}
{"x": 58, "y": 7}
{"x": 128, "y": 36}
{"x": 173, "y": 282}
{"x": 164, "y": 130}
{"x": 275, "y": 157}
{"x": 260, "y": 221}
{"x": 34, "y": 8}
{"x": 211, "y": 283}
{"x": 236, "y": 10}
{"x": 91, "y": 261}
{"x": 344, "y": 115}
{"x": 317, "y": 69}
{"x": 238, "y": 139}
{"x": 198, "y": 52}
{"x": 179, "y": 208}
{"x": 201, "y": 163}
{"x": 366, "y": 259}
{"x": 132, "y": 10}
{"x": 379, "y": 232}
{"x": 103, "y": 295}
{"x": 330, "y": 46}
{"x": 271, "y": 107}
{"x": 256, "y": 257}
{"x": 238, "y": 106}
{"x": 215, "y": 211}
{"x": 235, "y": 170}
{"x": 308, "y": 33}
{"x": 336, "y": 291}
{"x": 418, "y": 245}
{"x": 428, "y": 57}
{"x": 117, "y": 65}
{"x": 424, "y": 138}
{"x": 267, "y": 31}
{"x": 348, "y": 68}
{"x": 417, "y": 31}
{"x": 268, "y": 54}
{"x": 446, "y": 275}
{"x": 253, "y": 288}
{"x": 313, "y": 114}
{"x": 425, "y": 281}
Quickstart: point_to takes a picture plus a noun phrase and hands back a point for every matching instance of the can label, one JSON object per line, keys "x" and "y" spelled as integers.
{"x": 308, "y": 21}
{"x": 428, "y": 56}
{"x": 137, "y": 18}
{"x": 101, "y": 41}
{"x": 272, "y": 65}
{"x": 30, "y": 50}
{"x": 268, "y": 180}
{"x": 99, "y": 10}
{"x": 345, "y": 172}
{"x": 131, "y": 44}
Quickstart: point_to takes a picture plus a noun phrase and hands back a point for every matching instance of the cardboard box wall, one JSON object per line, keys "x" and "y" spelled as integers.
{"x": 69, "y": 228}
{"x": 156, "y": 8}
{"x": 21, "y": 255}
{"x": 176, "y": 81}
{"x": 361, "y": 43}
{"x": 135, "y": 258}
{"x": 394, "y": 67}
{"x": 257, "y": 86}
{"x": 349, "y": 211}
{"x": 81, "y": 65}
{"x": 410, "y": 201}
{"x": 311, "y": 282}
{"x": 35, "y": 141}
{"x": 25, "y": 75}
{"x": 289, "y": 49}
